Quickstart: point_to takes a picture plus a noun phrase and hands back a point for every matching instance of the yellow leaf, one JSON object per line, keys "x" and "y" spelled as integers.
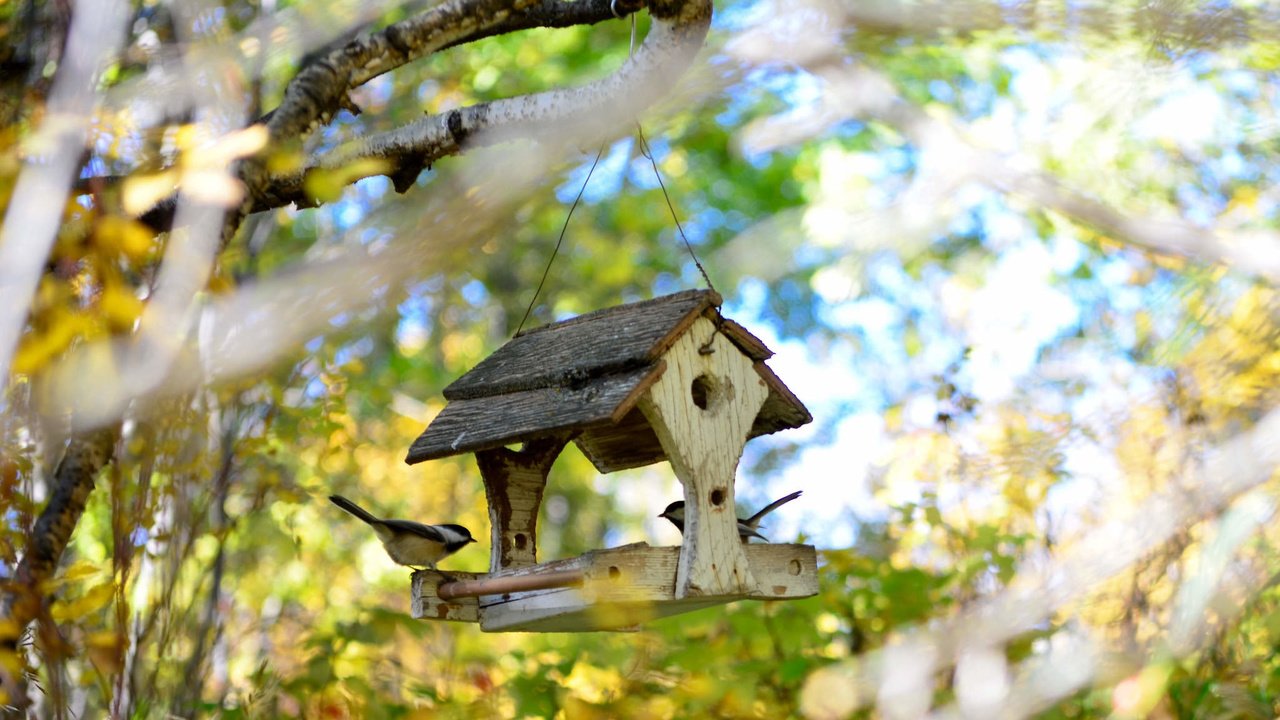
{"x": 106, "y": 651}
{"x": 593, "y": 684}
{"x": 190, "y": 135}
{"x": 1244, "y": 198}
{"x": 120, "y": 306}
{"x": 125, "y": 236}
{"x": 81, "y": 570}
{"x": 103, "y": 639}
{"x": 10, "y": 661}
{"x": 93, "y": 600}
{"x": 326, "y": 184}
{"x": 322, "y": 185}
{"x": 1169, "y": 262}
{"x": 285, "y": 162}
{"x": 230, "y": 147}
{"x": 214, "y": 187}
{"x": 38, "y": 348}
{"x": 221, "y": 283}
{"x": 143, "y": 191}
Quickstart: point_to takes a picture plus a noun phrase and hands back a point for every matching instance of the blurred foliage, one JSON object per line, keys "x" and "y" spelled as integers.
{"x": 210, "y": 578}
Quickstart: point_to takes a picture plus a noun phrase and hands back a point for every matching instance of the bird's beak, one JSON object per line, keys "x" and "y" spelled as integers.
{"x": 662, "y": 514}
{"x": 473, "y": 540}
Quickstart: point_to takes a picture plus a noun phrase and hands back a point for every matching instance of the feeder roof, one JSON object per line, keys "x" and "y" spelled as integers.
{"x": 585, "y": 375}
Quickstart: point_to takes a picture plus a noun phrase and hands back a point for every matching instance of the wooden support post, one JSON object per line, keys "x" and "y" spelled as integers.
{"x": 702, "y": 409}
{"x": 426, "y": 602}
{"x": 513, "y": 483}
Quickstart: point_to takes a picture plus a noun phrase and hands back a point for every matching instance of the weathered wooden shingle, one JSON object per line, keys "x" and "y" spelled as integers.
{"x": 582, "y": 377}
{"x": 482, "y": 423}
{"x": 571, "y": 352}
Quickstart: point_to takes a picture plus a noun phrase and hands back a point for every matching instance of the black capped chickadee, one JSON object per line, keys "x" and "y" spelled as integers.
{"x": 746, "y": 528}
{"x": 411, "y": 543}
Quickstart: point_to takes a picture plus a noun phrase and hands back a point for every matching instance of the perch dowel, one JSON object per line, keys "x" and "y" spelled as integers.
{"x": 514, "y": 583}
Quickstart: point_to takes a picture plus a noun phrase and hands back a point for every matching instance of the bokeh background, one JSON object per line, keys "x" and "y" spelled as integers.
{"x": 1018, "y": 259}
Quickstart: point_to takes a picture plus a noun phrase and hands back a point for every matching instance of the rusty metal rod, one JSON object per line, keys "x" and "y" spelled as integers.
{"x": 508, "y": 584}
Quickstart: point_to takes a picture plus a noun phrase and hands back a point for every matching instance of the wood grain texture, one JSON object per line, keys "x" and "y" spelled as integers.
{"x": 472, "y": 425}
{"x": 782, "y": 410}
{"x": 629, "y": 444}
{"x": 628, "y": 586}
{"x": 425, "y": 604}
{"x": 623, "y": 587}
{"x": 513, "y": 484}
{"x": 703, "y": 433}
{"x": 753, "y": 346}
{"x": 586, "y": 375}
{"x": 569, "y": 353}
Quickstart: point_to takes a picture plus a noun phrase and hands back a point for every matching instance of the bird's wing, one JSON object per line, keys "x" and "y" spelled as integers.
{"x": 429, "y": 532}
{"x": 754, "y": 520}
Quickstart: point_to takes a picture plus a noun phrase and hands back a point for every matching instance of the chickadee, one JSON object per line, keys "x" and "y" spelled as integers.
{"x": 412, "y": 543}
{"x": 746, "y": 528}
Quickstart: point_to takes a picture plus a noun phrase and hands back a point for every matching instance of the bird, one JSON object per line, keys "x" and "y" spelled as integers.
{"x": 410, "y": 543}
{"x": 746, "y": 528}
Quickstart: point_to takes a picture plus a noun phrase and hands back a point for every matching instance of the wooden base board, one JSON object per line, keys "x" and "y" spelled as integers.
{"x": 623, "y": 587}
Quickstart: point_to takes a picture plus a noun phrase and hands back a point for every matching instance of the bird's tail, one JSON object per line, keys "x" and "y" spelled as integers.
{"x": 754, "y": 520}
{"x": 353, "y": 508}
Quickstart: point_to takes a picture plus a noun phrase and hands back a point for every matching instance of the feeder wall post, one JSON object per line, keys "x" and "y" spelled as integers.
{"x": 513, "y": 484}
{"x": 702, "y": 409}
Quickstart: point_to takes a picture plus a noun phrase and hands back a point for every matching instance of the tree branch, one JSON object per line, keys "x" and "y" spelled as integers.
{"x": 609, "y": 104}
{"x": 865, "y": 93}
{"x": 1255, "y": 252}
{"x": 73, "y": 479}
{"x": 557, "y": 14}
{"x": 543, "y": 13}
{"x": 321, "y": 88}
{"x": 678, "y": 32}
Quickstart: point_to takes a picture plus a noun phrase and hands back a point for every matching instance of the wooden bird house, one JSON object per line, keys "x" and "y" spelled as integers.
{"x": 664, "y": 379}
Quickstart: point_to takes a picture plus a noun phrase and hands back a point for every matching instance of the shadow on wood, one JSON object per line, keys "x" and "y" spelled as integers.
{"x": 620, "y": 588}
{"x": 664, "y": 379}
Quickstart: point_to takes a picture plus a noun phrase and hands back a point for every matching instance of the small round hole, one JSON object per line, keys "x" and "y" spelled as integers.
{"x": 521, "y": 541}
{"x": 717, "y": 497}
{"x": 614, "y": 572}
{"x": 701, "y": 391}
{"x": 794, "y": 567}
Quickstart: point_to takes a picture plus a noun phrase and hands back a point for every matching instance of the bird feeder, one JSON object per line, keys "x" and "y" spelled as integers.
{"x": 664, "y": 379}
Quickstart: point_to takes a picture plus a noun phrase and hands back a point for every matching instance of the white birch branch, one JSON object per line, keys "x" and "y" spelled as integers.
{"x": 580, "y": 116}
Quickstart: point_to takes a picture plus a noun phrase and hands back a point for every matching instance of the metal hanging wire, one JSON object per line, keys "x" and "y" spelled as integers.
{"x": 547, "y": 271}
{"x": 648, "y": 154}
{"x": 645, "y": 151}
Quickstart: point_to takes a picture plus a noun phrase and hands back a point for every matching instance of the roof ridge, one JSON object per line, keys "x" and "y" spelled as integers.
{"x": 712, "y": 295}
